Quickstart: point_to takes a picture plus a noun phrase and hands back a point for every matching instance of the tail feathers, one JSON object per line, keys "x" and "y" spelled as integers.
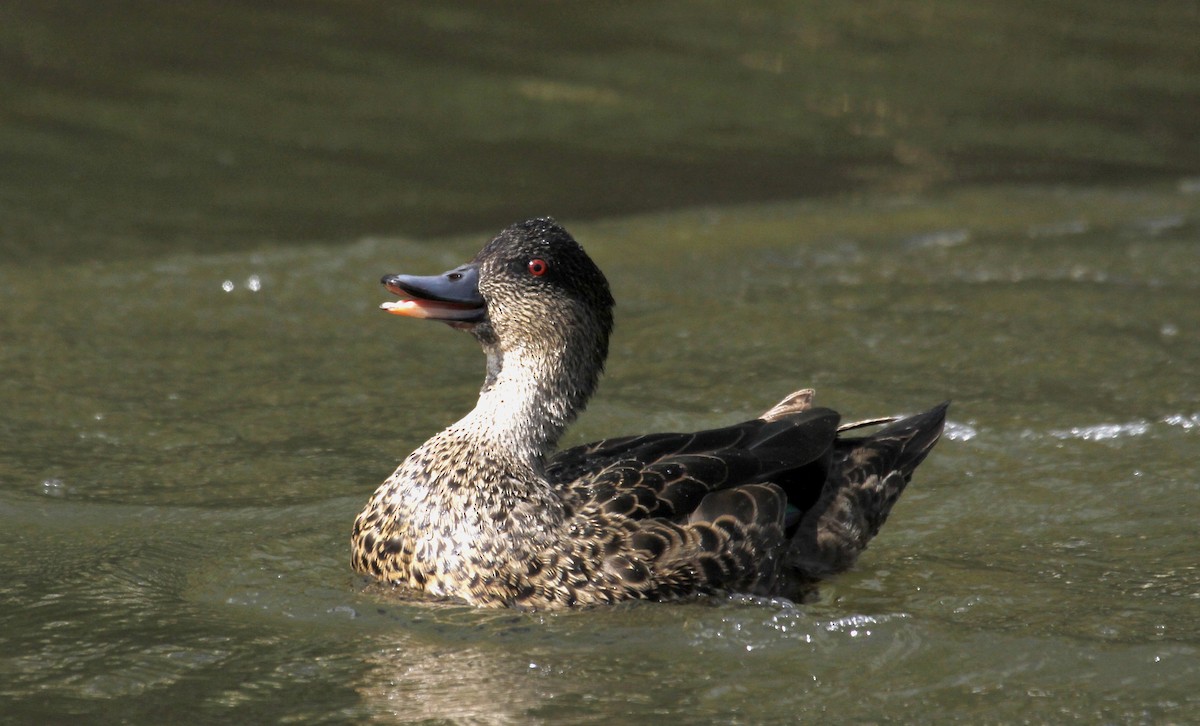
{"x": 911, "y": 439}
{"x": 793, "y": 403}
{"x": 866, "y": 480}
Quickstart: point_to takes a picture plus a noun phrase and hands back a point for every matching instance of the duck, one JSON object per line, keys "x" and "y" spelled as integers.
{"x": 490, "y": 513}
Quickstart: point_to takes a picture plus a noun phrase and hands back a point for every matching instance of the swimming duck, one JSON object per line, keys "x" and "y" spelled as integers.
{"x": 488, "y": 513}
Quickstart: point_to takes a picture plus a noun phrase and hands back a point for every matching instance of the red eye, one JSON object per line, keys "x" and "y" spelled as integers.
{"x": 538, "y": 267}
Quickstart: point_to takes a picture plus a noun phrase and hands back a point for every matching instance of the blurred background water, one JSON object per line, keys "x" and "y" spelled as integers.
{"x": 893, "y": 202}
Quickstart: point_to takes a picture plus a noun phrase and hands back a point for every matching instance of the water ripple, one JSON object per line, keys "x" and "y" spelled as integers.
{"x": 1102, "y": 432}
{"x": 1183, "y": 421}
{"x": 1107, "y": 431}
{"x": 956, "y": 431}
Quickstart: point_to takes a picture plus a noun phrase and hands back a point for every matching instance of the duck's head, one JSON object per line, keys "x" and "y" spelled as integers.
{"x": 532, "y": 290}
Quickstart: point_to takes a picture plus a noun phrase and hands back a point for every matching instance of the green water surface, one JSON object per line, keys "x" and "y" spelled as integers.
{"x": 895, "y": 203}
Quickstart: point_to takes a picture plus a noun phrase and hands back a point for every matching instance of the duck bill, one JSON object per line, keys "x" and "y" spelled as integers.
{"x": 452, "y": 297}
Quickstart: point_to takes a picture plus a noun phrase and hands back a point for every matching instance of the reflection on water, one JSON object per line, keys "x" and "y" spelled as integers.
{"x": 408, "y": 679}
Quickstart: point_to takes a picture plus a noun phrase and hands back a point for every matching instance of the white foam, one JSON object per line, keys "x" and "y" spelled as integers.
{"x": 1103, "y": 432}
{"x": 1183, "y": 421}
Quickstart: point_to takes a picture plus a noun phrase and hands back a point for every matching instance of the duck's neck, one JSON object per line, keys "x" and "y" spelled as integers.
{"x": 529, "y": 398}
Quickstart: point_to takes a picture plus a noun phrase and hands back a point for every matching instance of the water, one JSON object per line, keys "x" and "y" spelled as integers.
{"x": 199, "y": 394}
{"x": 141, "y": 126}
{"x": 189, "y": 446}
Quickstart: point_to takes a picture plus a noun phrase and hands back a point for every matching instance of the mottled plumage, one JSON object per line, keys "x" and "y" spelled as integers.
{"x": 486, "y": 512}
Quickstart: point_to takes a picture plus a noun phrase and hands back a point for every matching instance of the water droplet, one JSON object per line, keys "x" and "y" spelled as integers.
{"x": 253, "y": 283}
{"x": 54, "y": 487}
{"x": 227, "y": 286}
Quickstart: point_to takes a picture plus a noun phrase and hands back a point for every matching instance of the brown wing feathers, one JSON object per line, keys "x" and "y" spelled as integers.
{"x": 714, "y": 510}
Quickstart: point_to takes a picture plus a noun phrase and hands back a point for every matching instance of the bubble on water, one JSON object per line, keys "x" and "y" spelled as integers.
{"x": 253, "y": 283}
{"x": 227, "y": 286}
{"x": 853, "y": 625}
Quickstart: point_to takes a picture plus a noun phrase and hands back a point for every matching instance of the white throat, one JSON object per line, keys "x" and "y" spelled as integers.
{"x": 524, "y": 405}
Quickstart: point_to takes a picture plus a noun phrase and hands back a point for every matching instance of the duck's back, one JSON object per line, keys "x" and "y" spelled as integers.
{"x": 668, "y": 474}
{"x": 774, "y": 503}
